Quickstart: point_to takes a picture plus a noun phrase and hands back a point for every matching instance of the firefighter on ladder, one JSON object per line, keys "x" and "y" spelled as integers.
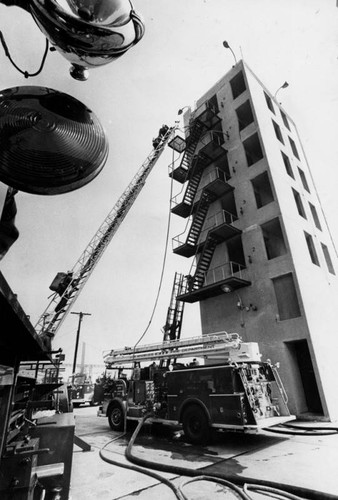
{"x": 161, "y": 133}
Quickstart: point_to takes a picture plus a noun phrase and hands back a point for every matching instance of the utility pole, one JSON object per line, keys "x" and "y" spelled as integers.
{"x": 81, "y": 314}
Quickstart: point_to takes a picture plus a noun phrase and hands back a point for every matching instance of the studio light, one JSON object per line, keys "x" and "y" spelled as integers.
{"x": 88, "y": 33}
{"x": 51, "y": 142}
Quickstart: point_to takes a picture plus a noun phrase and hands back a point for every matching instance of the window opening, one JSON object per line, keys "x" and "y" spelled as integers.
{"x": 273, "y": 239}
{"x": 269, "y": 102}
{"x": 212, "y": 104}
{"x": 285, "y": 120}
{"x": 253, "y": 149}
{"x": 237, "y": 84}
{"x": 244, "y": 115}
{"x": 303, "y": 179}
{"x": 286, "y": 297}
{"x": 299, "y": 203}
{"x": 217, "y": 134}
{"x": 223, "y": 164}
{"x": 262, "y": 190}
{"x": 312, "y": 249}
{"x": 328, "y": 258}
{"x": 278, "y": 131}
{"x": 287, "y": 164}
{"x": 294, "y": 148}
{"x": 235, "y": 250}
{"x": 315, "y": 216}
{"x": 228, "y": 203}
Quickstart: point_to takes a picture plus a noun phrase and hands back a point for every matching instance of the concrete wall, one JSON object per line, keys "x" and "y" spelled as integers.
{"x": 316, "y": 288}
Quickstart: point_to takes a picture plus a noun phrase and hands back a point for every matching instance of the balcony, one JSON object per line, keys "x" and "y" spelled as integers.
{"x": 220, "y": 227}
{"x": 178, "y": 144}
{"x": 208, "y": 118}
{"x": 198, "y": 127}
{"x": 213, "y": 149}
{"x": 215, "y": 183}
{"x": 230, "y": 275}
{"x": 181, "y": 247}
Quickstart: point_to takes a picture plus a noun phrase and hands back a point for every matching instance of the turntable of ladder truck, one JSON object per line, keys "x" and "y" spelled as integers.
{"x": 233, "y": 390}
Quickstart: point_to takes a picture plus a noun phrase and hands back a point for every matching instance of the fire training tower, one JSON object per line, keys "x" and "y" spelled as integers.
{"x": 263, "y": 261}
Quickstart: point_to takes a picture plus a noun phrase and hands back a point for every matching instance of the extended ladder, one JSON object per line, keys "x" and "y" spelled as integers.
{"x": 173, "y": 324}
{"x": 222, "y": 343}
{"x": 67, "y": 286}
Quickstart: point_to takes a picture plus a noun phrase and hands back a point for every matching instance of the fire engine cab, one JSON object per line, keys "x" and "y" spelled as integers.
{"x": 232, "y": 390}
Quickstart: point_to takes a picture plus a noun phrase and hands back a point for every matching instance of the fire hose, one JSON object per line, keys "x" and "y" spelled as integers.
{"x": 231, "y": 481}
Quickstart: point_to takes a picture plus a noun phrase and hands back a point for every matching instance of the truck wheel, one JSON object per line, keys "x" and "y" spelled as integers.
{"x": 195, "y": 425}
{"x": 115, "y": 416}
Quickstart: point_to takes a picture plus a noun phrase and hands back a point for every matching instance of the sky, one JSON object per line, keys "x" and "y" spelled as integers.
{"x": 180, "y": 57}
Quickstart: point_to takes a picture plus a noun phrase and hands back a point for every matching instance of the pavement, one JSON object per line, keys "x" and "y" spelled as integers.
{"x": 309, "y": 462}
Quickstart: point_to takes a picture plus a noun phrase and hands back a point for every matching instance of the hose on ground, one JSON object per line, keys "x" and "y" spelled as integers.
{"x": 299, "y": 430}
{"x": 179, "y": 495}
{"x": 297, "y": 491}
{"x": 266, "y": 489}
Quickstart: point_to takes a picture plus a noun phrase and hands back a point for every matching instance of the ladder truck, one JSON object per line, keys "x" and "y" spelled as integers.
{"x": 234, "y": 390}
{"x": 67, "y": 286}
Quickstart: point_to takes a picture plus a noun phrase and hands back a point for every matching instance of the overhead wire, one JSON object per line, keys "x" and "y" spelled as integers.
{"x": 23, "y": 72}
{"x": 163, "y": 262}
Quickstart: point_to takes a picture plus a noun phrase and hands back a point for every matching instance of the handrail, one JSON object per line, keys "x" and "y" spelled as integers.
{"x": 220, "y": 273}
{"x": 213, "y": 275}
{"x": 215, "y": 174}
{"x": 175, "y": 199}
{"x": 176, "y": 240}
{"x": 221, "y": 217}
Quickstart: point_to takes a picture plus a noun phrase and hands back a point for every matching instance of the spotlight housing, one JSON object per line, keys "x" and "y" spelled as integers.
{"x": 51, "y": 142}
{"x": 88, "y": 33}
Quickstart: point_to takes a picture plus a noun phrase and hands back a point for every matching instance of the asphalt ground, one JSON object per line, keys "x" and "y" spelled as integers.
{"x": 309, "y": 462}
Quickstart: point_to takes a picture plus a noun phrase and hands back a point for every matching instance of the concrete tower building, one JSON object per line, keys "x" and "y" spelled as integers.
{"x": 263, "y": 261}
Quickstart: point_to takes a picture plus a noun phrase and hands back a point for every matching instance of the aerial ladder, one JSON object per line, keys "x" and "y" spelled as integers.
{"x": 228, "y": 346}
{"x": 68, "y": 286}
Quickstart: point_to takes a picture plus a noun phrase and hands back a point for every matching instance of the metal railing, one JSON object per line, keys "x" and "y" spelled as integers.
{"x": 181, "y": 238}
{"x": 212, "y": 276}
{"x": 221, "y": 217}
{"x": 214, "y": 175}
{"x": 220, "y": 273}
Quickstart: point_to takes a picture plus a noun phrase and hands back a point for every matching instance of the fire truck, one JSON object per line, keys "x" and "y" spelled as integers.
{"x": 232, "y": 390}
{"x": 82, "y": 389}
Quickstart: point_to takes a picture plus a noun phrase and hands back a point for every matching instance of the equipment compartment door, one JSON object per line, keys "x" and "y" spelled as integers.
{"x": 226, "y": 409}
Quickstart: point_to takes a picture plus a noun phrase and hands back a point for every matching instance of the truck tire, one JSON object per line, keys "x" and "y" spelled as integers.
{"x": 115, "y": 416}
{"x": 195, "y": 424}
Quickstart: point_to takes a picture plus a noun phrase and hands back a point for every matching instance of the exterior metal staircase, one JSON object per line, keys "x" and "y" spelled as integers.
{"x": 188, "y": 248}
{"x": 180, "y": 174}
{"x": 203, "y": 264}
{"x": 184, "y": 208}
